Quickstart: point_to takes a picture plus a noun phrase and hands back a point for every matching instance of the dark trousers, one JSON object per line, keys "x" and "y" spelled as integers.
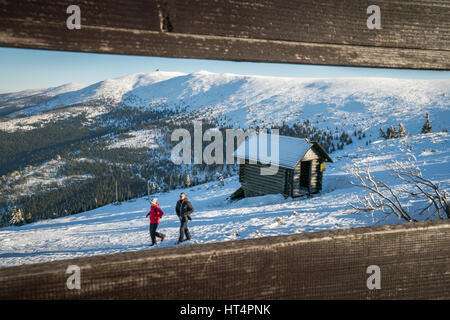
{"x": 184, "y": 230}
{"x": 153, "y": 233}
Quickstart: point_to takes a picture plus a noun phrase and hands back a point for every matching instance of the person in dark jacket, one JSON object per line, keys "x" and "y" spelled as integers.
{"x": 183, "y": 210}
{"x": 155, "y": 214}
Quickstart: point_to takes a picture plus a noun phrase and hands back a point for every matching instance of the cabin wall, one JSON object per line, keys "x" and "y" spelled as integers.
{"x": 255, "y": 184}
{"x": 296, "y": 192}
{"x": 315, "y": 176}
{"x": 286, "y": 181}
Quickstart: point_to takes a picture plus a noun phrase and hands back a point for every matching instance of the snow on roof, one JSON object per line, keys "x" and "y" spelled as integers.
{"x": 287, "y": 151}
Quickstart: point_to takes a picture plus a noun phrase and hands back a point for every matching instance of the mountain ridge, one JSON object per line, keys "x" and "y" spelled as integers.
{"x": 241, "y": 100}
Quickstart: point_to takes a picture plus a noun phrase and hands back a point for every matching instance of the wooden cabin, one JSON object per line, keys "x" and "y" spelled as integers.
{"x": 299, "y": 167}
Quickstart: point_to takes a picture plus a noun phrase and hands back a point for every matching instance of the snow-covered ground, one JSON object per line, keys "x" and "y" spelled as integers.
{"x": 34, "y": 178}
{"x": 112, "y": 228}
{"x": 138, "y": 139}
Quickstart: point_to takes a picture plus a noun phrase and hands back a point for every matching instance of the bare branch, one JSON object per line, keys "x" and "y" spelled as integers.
{"x": 381, "y": 196}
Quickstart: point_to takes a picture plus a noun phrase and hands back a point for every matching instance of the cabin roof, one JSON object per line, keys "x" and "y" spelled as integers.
{"x": 290, "y": 150}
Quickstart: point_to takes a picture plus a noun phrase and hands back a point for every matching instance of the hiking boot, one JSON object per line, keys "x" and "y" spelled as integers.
{"x": 163, "y": 236}
{"x": 178, "y": 242}
{"x": 153, "y": 244}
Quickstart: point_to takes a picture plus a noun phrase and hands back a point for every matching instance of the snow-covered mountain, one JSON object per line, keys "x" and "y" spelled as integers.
{"x": 49, "y": 92}
{"x": 242, "y": 101}
{"x": 110, "y": 91}
{"x": 11, "y": 103}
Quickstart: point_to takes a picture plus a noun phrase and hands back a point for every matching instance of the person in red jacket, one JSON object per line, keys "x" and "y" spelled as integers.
{"x": 155, "y": 214}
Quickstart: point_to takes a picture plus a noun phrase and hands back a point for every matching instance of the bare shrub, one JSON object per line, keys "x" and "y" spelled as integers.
{"x": 382, "y": 197}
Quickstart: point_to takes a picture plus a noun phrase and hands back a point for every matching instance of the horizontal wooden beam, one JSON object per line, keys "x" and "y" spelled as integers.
{"x": 414, "y": 262}
{"x": 414, "y": 34}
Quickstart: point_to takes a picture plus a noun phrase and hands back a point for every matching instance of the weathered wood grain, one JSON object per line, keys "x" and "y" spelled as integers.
{"x": 334, "y": 22}
{"x": 414, "y": 34}
{"x": 414, "y": 260}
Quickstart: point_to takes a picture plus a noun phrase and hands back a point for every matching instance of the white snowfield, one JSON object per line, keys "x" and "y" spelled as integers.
{"x": 244, "y": 100}
{"x": 49, "y": 92}
{"x": 138, "y": 139}
{"x": 121, "y": 228}
{"x": 108, "y": 90}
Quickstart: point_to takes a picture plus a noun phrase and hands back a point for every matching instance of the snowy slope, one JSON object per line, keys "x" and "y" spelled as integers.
{"x": 110, "y": 90}
{"x": 17, "y": 101}
{"x": 111, "y": 228}
{"x": 50, "y": 92}
{"x": 242, "y": 101}
{"x": 138, "y": 139}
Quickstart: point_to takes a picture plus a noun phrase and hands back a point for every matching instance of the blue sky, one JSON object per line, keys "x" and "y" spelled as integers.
{"x": 28, "y": 69}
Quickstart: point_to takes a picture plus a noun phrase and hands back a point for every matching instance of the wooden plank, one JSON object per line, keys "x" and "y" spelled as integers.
{"x": 261, "y": 189}
{"x": 319, "y": 21}
{"x": 247, "y": 185}
{"x": 275, "y": 179}
{"x": 414, "y": 34}
{"x": 278, "y": 179}
{"x": 288, "y": 182}
{"x": 313, "y": 176}
{"x": 263, "y": 184}
{"x": 414, "y": 259}
{"x": 296, "y": 182}
{"x": 117, "y": 14}
{"x": 263, "y": 180}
